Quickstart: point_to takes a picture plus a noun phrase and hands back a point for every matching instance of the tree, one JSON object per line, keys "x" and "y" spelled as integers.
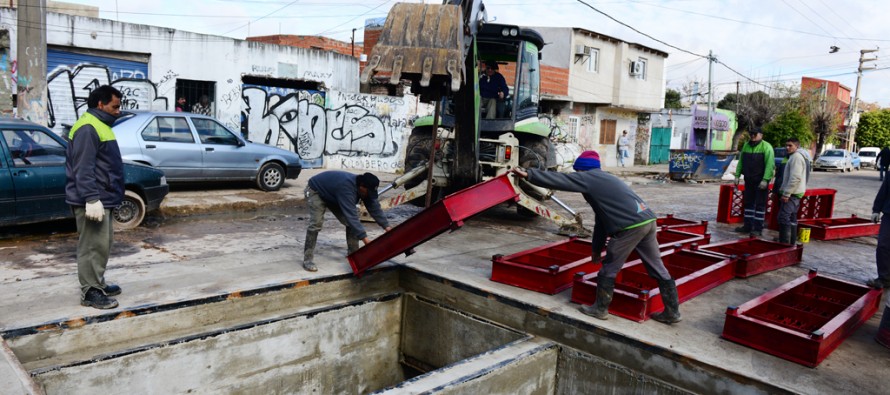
{"x": 824, "y": 113}
{"x": 754, "y": 110}
{"x": 672, "y": 99}
{"x": 874, "y": 129}
{"x": 790, "y": 123}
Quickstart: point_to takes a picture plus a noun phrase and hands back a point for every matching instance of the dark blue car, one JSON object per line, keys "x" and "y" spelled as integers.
{"x": 32, "y": 179}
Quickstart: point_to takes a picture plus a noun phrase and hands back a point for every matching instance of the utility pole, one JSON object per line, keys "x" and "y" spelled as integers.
{"x": 854, "y": 116}
{"x": 711, "y": 60}
{"x": 31, "y": 54}
{"x": 353, "y": 42}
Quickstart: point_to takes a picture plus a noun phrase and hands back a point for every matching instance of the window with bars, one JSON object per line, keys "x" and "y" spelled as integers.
{"x": 573, "y": 124}
{"x": 193, "y": 90}
{"x": 607, "y": 131}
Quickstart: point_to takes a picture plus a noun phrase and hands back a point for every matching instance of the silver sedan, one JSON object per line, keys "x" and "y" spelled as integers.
{"x": 191, "y": 147}
{"x": 834, "y": 159}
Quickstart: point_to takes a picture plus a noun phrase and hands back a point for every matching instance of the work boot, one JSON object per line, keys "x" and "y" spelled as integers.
{"x": 95, "y": 298}
{"x": 742, "y": 229}
{"x": 877, "y": 283}
{"x": 784, "y": 234}
{"x": 600, "y": 308}
{"x": 309, "y": 251}
{"x": 756, "y": 233}
{"x": 671, "y": 301}
{"x": 111, "y": 290}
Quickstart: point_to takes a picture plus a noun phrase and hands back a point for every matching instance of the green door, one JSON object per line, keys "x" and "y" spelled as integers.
{"x": 659, "y": 149}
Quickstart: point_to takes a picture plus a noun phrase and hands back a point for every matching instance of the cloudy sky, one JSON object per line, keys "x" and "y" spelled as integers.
{"x": 764, "y": 41}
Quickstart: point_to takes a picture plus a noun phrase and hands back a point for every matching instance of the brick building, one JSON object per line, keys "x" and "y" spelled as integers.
{"x": 313, "y": 42}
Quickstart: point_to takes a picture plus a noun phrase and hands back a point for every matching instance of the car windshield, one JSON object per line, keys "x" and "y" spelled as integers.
{"x": 868, "y": 153}
{"x": 833, "y": 153}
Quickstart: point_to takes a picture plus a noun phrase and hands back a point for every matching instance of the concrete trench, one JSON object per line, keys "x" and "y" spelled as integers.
{"x": 395, "y": 330}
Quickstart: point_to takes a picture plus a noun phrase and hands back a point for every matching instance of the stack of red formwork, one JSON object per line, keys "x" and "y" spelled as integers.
{"x": 802, "y": 321}
{"x": 816, "y": 203}
{"x": 754, "y": 256}
{"x": 549, "y": 268}
{"x": 683, "y": 225}
{"x": 839, "y": 228}
{"x": 636, "y": 294}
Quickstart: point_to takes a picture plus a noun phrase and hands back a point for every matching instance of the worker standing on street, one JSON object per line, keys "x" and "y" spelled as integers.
{"x": 756, "y": 163}
{"x": 881, "y": 207}
{"x": 882, "y": 161}
{"x": 94, "y": 186}
{"x": 794, "y": 185}
{"x": 624, "y": 218}
{"x": 339, "y": 192}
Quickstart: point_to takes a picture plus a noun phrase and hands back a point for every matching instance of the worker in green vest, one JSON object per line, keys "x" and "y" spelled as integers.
{"x": 757, "y": 164}
{"x": 95, "y": 185}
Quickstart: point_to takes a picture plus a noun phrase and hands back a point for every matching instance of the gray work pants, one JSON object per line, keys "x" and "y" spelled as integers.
{"x": 93, "y": 247}
{"x": 642, "y": 239}
{"x": 788, "y": 212}
{"x": 317, "y": 208}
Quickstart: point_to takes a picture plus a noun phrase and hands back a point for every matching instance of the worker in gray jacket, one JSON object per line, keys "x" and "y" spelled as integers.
{"x": 622, "y": 217}
{"x": 794, "y": 185}
{"x": 339, "y": 192}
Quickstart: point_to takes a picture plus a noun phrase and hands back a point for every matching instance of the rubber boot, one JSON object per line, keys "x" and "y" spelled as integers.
{"x": 792, "y": 234}
{"x": 671, "y": 301}
{"x": 784, "y": 234}
{"x": 883, "y": 336}
{"x": 309, "y": 251}
{"x": 600, "y": 309}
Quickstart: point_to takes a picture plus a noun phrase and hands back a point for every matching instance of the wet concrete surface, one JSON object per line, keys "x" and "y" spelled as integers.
{"x": 188, "y": 252}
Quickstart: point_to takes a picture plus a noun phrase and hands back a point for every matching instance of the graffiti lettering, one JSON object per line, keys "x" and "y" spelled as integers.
{"x": 170, "y": 75}
{"x": 317, "y": 75}
{"x": 684, "y": 160}
{"x": 68, "y": 90}
{"x": 262, "y": 69}
{"x": 370, "y": 100}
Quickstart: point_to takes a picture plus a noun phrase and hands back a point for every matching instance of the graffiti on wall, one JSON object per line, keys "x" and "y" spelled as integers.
{"x": 68, "y": 90}
{"x": 346, "y": 130}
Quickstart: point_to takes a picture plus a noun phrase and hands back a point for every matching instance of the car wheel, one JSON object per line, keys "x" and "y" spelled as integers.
{"x": 270, "y": 177}
{"x": 130, "y": 213}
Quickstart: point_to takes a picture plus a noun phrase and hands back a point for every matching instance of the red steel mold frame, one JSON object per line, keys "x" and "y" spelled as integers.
{"x": 754, "y": 256}
{"x": 839, "y": 228}
{"x": 804, "y": 320}
{"x": 448, "y": 213}
{"x": 637, "y": 296}
{"x": 685, "y": 225}
{"x": 549, "y": 269}
{"x": 816, "y": 203}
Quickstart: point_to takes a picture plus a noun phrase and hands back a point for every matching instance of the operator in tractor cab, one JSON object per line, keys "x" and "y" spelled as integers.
{"x": 493, "y": 89}
{"x": 340, "y": 191}
{"x": 623, "y": 218}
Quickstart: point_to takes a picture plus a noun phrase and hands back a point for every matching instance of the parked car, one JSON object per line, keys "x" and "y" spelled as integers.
{"x": 191, "y": 147}
{"x": 856, "y": 160}
{"x": 868, "y": 156}
{"x": 834, "y": 159}
{"x": 32, "y": 179}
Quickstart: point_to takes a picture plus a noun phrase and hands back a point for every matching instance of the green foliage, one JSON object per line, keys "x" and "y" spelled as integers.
{"x": 790, "y": 123}
{"x": 672, "y": 99}
{"x": 874, "y": 129}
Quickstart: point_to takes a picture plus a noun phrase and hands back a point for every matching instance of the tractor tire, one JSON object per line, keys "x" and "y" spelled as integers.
{"x": 533, "y": 154}
{"x": 416, "y": 152}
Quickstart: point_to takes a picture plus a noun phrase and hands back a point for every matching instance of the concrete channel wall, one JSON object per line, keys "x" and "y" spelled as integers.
{"x": 395, "y": 330}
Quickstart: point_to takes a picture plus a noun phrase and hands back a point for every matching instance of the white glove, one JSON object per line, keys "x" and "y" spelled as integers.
{"x": 764, "y": 184}
{"x": 95, "y": 211}
{"x": 875, "y": 217}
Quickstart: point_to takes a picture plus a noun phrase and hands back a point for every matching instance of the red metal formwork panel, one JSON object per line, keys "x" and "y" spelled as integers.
{"x": 549, "y": 269}
{"x": 840, "y": 228}
{"x": 684, "y": 225}
{"x": 636, "y": 295}
{"x": 754, "y": 256}
{"x": 816, "y": 203}
{"x": 804, "y": 320}
{"x": 448, "y": 213}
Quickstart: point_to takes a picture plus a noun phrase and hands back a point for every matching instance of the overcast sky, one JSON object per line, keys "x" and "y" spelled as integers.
{"x": 763, "y": 40}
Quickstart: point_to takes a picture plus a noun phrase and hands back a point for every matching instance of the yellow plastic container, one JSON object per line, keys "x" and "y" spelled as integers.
{"x": 804, "y": 235}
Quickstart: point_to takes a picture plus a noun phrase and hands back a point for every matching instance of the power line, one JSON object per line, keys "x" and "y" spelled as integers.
{"x": 255, "y": 20}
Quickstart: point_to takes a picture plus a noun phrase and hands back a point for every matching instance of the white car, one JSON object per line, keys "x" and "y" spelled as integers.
{"x": 868, "y": 156}
{"x": 834, "y": 159}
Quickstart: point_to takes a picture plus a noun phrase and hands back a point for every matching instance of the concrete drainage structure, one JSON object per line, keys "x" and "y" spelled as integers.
{"x": 396, "y": 330}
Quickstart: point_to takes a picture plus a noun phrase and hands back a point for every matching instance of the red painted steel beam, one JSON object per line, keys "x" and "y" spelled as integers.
{"x": 840, "y": 228}
{"x": 448, "y": 213}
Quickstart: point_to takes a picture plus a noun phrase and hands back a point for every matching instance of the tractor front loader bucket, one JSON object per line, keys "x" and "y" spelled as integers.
{"x": 421, "y": 43}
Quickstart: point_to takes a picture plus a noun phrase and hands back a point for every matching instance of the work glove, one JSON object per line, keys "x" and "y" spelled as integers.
{"x": 736, "y": 181}
{"x": 764, "y": 184}
{"x": 875, "y": 217}
{"x": 95, "y": 211}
